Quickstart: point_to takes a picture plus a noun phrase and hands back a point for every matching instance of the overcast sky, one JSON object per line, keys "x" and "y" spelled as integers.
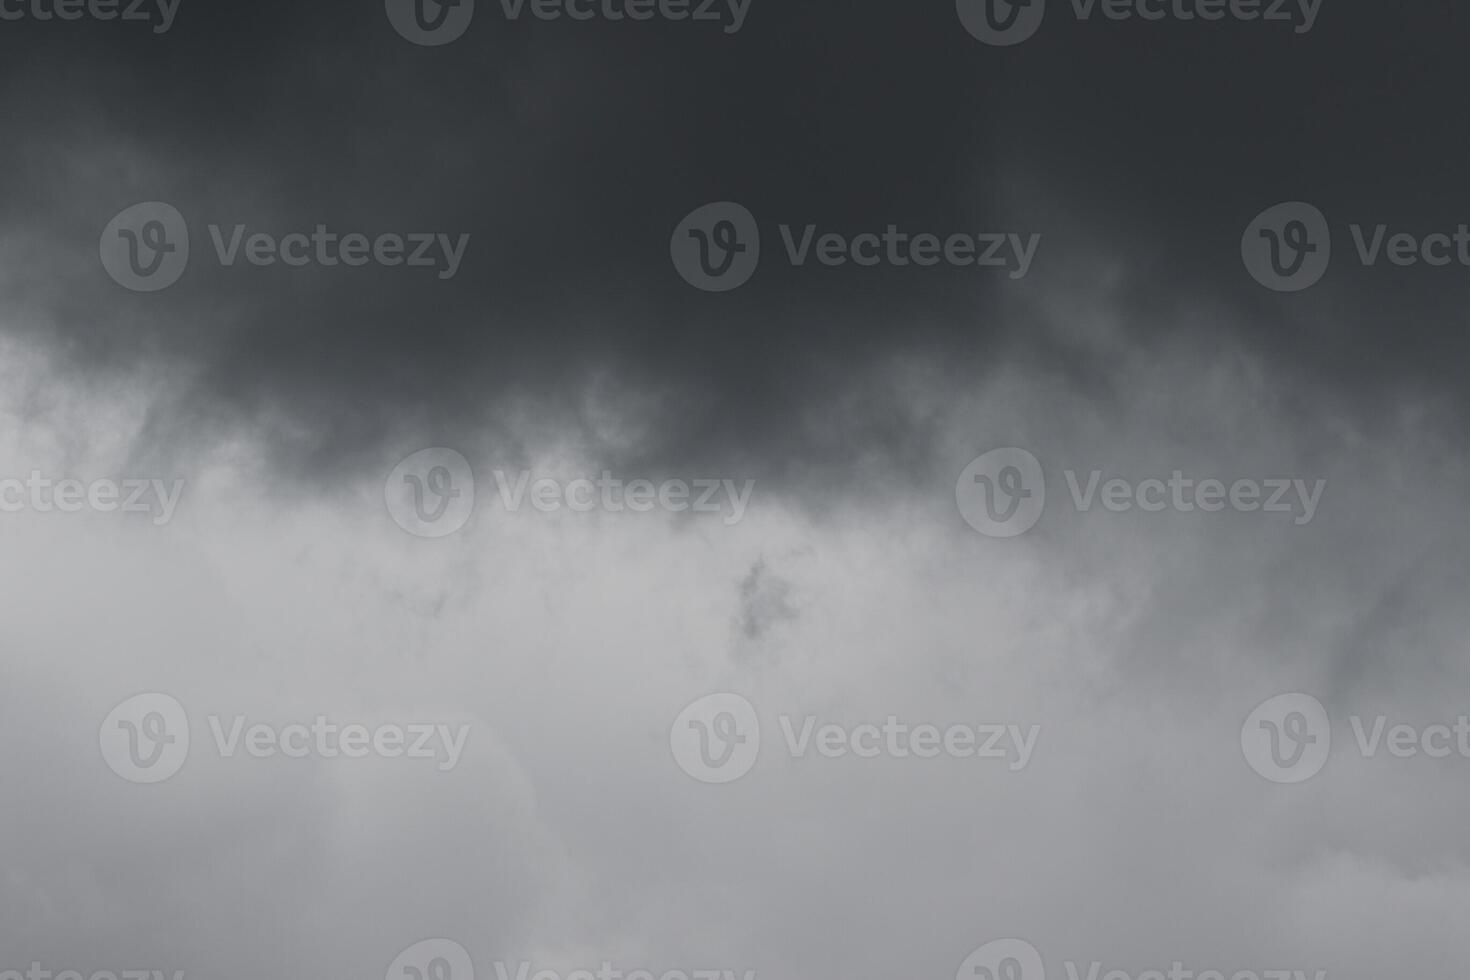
{"x": 268, "y": 417}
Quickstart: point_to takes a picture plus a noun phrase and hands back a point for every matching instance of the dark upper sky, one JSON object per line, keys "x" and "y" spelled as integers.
{"x": 569, "y": 151}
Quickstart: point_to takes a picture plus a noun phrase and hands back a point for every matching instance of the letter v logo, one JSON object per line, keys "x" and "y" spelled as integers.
{"x": 1001, "y": 23}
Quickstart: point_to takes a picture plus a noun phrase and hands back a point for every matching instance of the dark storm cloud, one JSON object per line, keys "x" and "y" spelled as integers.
{"x": 568, "y": 152}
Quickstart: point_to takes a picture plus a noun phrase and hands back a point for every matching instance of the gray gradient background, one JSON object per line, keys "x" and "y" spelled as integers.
{"x": 854, "y": 397}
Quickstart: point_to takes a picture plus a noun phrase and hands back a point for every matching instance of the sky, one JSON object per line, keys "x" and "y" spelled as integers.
{"x": 807, "y": 493}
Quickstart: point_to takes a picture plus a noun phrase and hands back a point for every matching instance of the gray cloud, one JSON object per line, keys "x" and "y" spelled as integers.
{"x": 852, "y": 590}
